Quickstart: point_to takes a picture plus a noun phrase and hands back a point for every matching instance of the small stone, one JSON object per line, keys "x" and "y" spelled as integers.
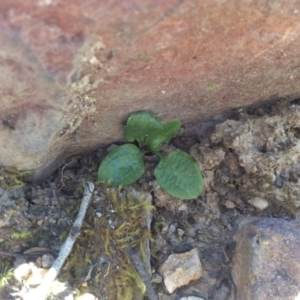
{"x": 39, "y": 222}
{"x": 254, "y": 169}
{"x": 279, "y": 182}
{"x": 229, "y": 204}
{"x": 98, "y": 214}
{"x": 156, "y": 278}
{"x": 265, "y": 185}
{"x": 47, "y": 260}
{"x": 165, "y": 228}
{"x": 182, "y": 207}
{"x": 172, "y": 228}
{"x": 180, "y": 232}
{"x": 179, "y": 269}
{"x": 93, "y": 60}
{"x": 259, "y": 203}
{"x": 52, "y": 221}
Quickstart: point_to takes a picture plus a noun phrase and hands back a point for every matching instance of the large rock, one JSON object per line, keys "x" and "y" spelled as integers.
{"x": 72, "y": 71}
{"x": 267, "y": 260}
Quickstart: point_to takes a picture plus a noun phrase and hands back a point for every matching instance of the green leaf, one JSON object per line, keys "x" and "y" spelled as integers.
{"x": 122, "y": 166}
{"x": 139, "y": 125}
{"x": 156, "y": 139}
{"x": 179, "y": 175}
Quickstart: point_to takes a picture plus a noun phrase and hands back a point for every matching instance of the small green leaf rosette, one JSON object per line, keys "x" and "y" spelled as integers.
{"x": 156, "y": 139}
{"x": 122, "y": 166}
{"x": 179, "y": 175}
{"x": 140, "y": 125}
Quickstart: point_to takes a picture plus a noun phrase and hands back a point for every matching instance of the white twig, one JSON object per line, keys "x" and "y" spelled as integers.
{"x": 41, "y": 292}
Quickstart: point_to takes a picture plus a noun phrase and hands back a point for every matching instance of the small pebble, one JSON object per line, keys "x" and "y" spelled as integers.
{"x": 156, "y": 278}
{"x": 47, "y": 260}
{"x": 51, "y": 220}
{"x": 265, "y": 185}
{"x": 180, "y": 232}
{"x": 39, "y": 222}
{"x": 165, "y": 228}
{"x": 98, "y": 214}
{"x": 179, "y": 269}
{"x": 182, "y": 207}
{"x": 172, "y": 228}
{"x": 229, "y": 204}
{"x": 259, "y": 203}
{"x": 279, "y": 181}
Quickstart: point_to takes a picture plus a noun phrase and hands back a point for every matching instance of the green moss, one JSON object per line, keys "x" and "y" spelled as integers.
{"x": 6, "y": 273}
{"x": 119, "y": 277}
{"x": 11, "y": 178}
{"x": 127, "y": 282}
{"x": 24, "y": 236}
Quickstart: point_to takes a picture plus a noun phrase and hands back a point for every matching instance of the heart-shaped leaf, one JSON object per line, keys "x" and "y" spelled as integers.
{"x": 156, "y": 139}
{"x": 179, "y": 175}
{"x": 122, "y": 166}
{"x": 139, "y": 125}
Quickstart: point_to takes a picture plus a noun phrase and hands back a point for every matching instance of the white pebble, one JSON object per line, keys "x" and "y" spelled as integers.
{"x": 258, "y": 203}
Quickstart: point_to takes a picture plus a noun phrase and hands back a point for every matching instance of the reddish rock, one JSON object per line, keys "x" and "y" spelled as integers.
{"x": 266, "y": 262}
{"x": 72, "y": 71}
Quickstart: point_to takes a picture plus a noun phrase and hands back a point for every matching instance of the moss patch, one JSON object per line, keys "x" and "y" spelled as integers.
{"x": 102, "y": 245}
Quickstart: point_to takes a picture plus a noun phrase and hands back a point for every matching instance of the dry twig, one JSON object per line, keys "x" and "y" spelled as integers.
{"x": 41, "y": 292}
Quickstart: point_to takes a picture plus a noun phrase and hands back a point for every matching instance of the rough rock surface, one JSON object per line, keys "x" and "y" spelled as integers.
{"x": 180, "y": 269}
{"x": 266, "y": 260}
{"x": 72, "y": 71}
{"x": 266, "y": 152}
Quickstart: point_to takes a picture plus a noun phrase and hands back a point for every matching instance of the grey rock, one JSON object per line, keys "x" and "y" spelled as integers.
{"x": 47, "y": 260}
{"x": 266, "y": 262}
